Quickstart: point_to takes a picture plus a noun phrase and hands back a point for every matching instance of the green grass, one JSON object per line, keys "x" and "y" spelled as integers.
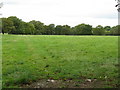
{"x": 27, "y": 58}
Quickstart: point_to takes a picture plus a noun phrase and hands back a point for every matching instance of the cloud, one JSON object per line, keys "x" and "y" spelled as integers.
{"x": 112, "y": 15}
{"x": 69, "y": 12}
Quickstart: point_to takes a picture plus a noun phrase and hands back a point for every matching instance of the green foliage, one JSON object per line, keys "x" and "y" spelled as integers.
{"x": 14, "y": 25}
{"x": 49, "y": 30}
{"x": 107, "y": 28}
{"x": 115, "y": 30}
{"x": 66, "y": 30}
{"x": 62, "y": 30}
{"x": 99, "y": 30}
{"x": 17, "y": 24}
{"x": 58, "y": 30}
{"x": 83, "y": 29}
{"x": 39, "y": 27}
{"x": 26, "y": 28}
{"x": 7, "y": 26}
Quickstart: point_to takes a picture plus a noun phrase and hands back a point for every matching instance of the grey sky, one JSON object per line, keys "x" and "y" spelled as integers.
{"x": 59, "y": 12}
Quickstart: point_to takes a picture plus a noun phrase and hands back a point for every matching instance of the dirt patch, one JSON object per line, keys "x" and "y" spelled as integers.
{"x": 88, "y": 83}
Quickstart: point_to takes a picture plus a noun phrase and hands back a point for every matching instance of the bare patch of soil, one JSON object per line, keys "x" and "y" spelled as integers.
{"x": 88, "y": 83}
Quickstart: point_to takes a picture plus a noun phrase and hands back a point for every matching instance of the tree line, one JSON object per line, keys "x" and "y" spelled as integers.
{"x": 14, "y": 25}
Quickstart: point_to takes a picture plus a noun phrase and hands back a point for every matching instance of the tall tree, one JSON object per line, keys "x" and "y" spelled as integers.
{"x": 107, "y": 30}
{"x": 49, "y": 30}
{"x": 115, "y": 30}
{"x": 39, "y": 27}
{"x": 26, "y": 28}
{"x": 58, "y": 30}
{"x": 83, "y": 29}
{"x": 17, "y": 24}
{"x": 7, "y": 26}
{"x": 66, "y": 30}
{"x": 99, "y": 30}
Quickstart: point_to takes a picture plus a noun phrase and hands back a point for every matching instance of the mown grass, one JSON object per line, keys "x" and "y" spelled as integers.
{"x": 27, "y": 58}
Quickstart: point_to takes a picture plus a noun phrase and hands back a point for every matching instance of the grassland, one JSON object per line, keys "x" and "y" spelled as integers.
{"x": 28, "y": 58}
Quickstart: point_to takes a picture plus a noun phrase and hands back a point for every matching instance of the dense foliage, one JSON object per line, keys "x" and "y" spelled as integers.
{"x": 14, "y": 25}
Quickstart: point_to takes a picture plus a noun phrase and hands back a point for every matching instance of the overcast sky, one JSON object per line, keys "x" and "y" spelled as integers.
{"x": 60, "y": 12}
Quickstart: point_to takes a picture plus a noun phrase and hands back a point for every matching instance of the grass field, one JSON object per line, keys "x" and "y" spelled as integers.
{"x": 28, "y": 58}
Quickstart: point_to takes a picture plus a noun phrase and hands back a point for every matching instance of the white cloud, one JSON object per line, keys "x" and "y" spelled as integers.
{"x": 71, "y": 12}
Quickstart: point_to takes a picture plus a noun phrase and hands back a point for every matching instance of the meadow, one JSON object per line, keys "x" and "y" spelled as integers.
{"x": 29, "y": 58}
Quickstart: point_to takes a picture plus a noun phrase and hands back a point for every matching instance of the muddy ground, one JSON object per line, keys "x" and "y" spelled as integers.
{"x": 87, "y": 83}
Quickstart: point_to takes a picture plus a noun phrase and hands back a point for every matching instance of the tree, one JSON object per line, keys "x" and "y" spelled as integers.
{"x": 39, "y": 27}
{"x": 30, "y": 28}
{"x": 7, "y": 26}
{"x": 14, "y": 25}
{"x": 115, "y": 30}
{"x": 83, "y": 29}
{"x": 49, "y": 30}
{"x": 58, "y": 30}
{"x": 72, "y": 31}
{"x": 17, "y": 24}
{"x": 66, "y": 30}
{"x": 26, "y": 28}
{"x": 107, "y": 30}
{"x": 99, "y": 30}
